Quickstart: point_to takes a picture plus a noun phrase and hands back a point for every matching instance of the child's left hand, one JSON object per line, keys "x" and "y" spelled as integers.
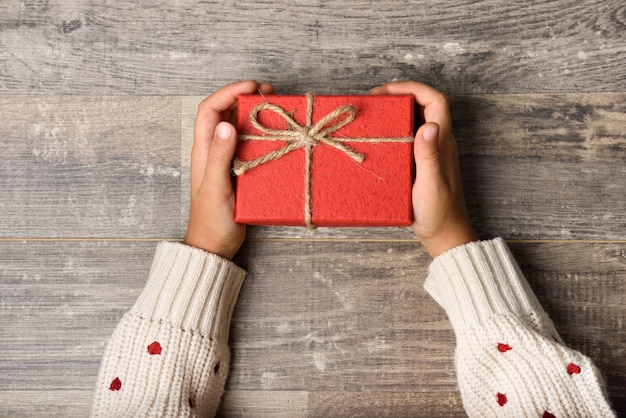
{"x": 211, "y": 224}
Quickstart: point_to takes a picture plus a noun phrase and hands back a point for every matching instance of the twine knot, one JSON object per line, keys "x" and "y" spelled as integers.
{"x": 298, "y": 136}
{"x": 307, "y": 138}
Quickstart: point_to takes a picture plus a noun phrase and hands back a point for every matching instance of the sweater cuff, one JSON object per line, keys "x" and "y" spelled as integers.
{"x": 191, "y": 289}
{"x": 480, "y": 280}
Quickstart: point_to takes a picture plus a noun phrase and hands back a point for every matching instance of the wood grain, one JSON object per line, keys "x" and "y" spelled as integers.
{"x": 341, "y": 316}
{"x": 488, "y": 46}
{"x": 566, "y": 128}
{"x": 89, "y": 167}
{"x": 59, "y": 305}
{"x": 385, "y": 404}
{"x": 45, "y": 403}
{"x": 248, "y": 403}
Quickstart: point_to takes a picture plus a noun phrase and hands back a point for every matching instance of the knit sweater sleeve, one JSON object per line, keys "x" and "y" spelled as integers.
{"x": 169, "y": 354}
{"x": 509, "y": 359}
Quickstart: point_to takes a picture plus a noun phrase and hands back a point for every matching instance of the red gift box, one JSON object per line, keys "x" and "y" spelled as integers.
{"x": 324, "y": 160}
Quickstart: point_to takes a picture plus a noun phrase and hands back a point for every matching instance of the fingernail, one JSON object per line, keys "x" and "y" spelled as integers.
{"x": 431, "y": 132}
{"x": 224, "y": 130}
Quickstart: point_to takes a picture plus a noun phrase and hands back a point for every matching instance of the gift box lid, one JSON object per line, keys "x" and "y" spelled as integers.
{"x": 353, "y": 154}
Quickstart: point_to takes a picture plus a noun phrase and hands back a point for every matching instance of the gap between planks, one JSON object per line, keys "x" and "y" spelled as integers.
{"x": 510, "y": 241}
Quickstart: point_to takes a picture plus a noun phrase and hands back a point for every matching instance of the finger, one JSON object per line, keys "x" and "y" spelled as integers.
{"x": 266, "y": 88}
{"x": 217, "y": 174}
{"x": 435, "y": 103}
{"x": 263, "y": 89}
{"x": 211, "y": 109}
{"x": 426, "y": 149}
{"x": 210, "y": 112}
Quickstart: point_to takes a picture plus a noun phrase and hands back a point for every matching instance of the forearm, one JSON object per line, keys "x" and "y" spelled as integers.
{"x": 169, "y": 355}
{"x": 509, "y": 358}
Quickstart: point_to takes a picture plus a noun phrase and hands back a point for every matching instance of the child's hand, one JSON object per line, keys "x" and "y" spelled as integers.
{"x": 211, "y": 224}
{"x": 440, "y": 216}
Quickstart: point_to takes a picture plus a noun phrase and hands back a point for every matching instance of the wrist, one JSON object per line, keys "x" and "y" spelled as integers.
{"x": 447, "y": 241}
{"x": 224, "y": 251}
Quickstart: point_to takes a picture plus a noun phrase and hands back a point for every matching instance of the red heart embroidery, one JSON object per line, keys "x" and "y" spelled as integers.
{"x": 504, "y": 347}
{"x": 154, "y": 348}
{"x": 116, "y": 384}
{"x": 573, "y": 368}
{"x": 502, "y": 400}
{"x": 546, "y": 414}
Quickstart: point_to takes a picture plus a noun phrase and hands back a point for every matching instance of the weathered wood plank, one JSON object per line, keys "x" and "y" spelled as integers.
{"x": 335, "y": 314}
{"x": 542, "y": 200}
{"x": 568, "y": 128}
{"x": 45, "y": 403}
{"x": 346, "y": 318}
{"x": 89, "y": 167}
{"x": 385, "y": 404}
{"x": 544, "y": 166}
{"x": 59, "y": 305}
{"x": 247, "y": 403}
{"x": 156, "y": 47}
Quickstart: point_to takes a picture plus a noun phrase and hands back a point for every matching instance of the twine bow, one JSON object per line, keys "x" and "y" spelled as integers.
{"x": 298, "y": 136}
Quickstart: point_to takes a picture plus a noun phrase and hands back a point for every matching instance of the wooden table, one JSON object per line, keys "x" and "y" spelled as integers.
{"x": 97, "y": 103}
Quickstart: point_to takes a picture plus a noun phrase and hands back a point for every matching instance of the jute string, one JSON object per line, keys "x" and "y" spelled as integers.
{"x": 298, "y": 136}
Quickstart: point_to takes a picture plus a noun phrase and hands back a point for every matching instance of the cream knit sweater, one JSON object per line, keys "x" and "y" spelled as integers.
{"x": 169, "y": 357}
{"x": 510, "y": 361}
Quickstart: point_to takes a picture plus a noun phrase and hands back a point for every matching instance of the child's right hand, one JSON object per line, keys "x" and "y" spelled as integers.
{"x": 440, "y": 216}
{"x": 211, "y": 224}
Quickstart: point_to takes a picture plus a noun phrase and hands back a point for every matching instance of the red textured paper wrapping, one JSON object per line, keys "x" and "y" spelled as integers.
{"x": 376, "y": 192}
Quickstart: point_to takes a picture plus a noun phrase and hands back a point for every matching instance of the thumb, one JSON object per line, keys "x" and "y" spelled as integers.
{"x": 220, "y": 156}
{"x": 426, "y": 147}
